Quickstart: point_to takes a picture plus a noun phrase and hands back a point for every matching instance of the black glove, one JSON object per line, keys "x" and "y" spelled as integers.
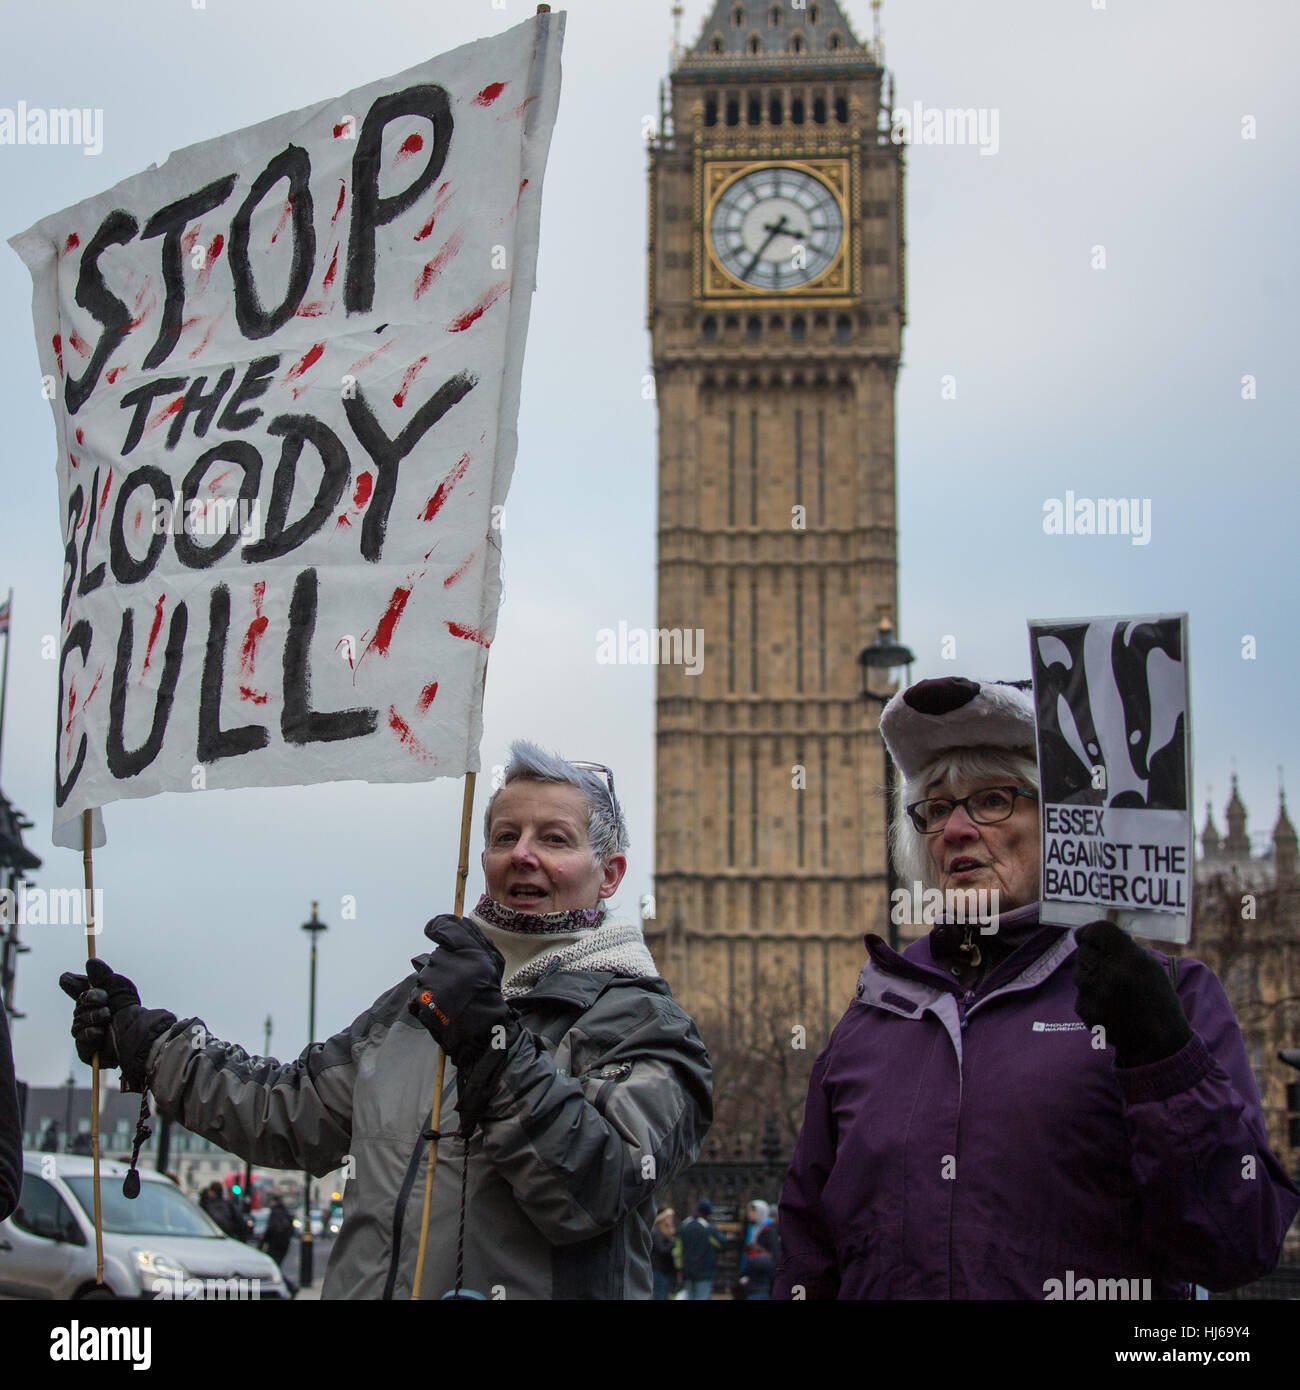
{"x": 458, "y": 990}
{"x": 109, "y": 1020}
{"x": 1129, "y": 994}
{"x": 458, "y": 999}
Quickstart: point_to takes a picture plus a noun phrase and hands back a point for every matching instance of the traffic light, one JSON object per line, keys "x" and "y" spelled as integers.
{"x": 235, "y": 1189}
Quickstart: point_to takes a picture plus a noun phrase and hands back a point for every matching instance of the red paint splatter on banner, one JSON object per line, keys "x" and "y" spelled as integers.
{"x": 190, "y": 322}
{"x": 82, "y": 517}
{"x": 81, "y": 435}
{"x": 306, "y": 361}
{"x": 153, "y": 633}
{"x": 284, "y": 218}
{"x": 388, "y": 623}
{"x": 413, "y": 144}
{"x": 343, "y": 190}
{"x": 93, "y": 688}
{"x": 258, "y": 697}
{"x": 399, "y": 396}
{"x": 342, "y": 128}
{"x": 459, "y": 570}
{"x": 165, "y": 413}
{"x": 523, "y": 183}
{"x": 348, "y": 653}
{"x": 489, "y": 93}
{"x": 425, "y": 700}
{"x": 435, "y": 503}
{"x": 73, "y": 459}
{"x": 248, "y": 649}
{"x": 139, "y": 517}
{"x": 67, "y": 728}
{"x": 113, "y": 373}
{"x": 190, "y": 236}
{"x": 365, "y": 485}
{"x": 314, "y": 310}
{"x": 332, "y": 271}
{"x": 342, "y": 521}
{"x": 103, "y": 502}
{"x": 476, "y": 312}
{"x": 143, "y": 314}
{"x": 517, "y": 111}
{"x": 78, "y": 343}
{"x": 72, "y": 243}
{"x": 470, "y": 634}
{"x": 435, "y": 267}
{"x": 208, "y": 334}
{"x": 219, "y": 479}
{"x": 370, "y": 357}
{"x": 144, "y": 290}
{"x": 205, "y": 271}
{"x": 403, "y": 731}
{"x": 57, "y": 341}
{"x": 440, "y": 200}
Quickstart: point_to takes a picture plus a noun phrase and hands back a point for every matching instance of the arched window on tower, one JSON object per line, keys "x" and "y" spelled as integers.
{"x": 843, "y": 328}
{"x": 774, "y": 111}
{"x": 718, "y": 43}
{"x": 709, "y": 329}
{"x": 774, "y": 17}
{"x": 814, "y": 14}
{"x": 753, "y": 328}
{"x": 833, "y": 43}
{"x": 755, "y": 45}
{"x": 798, "y": 328}
{"x": 796, "y": 110}
{"x": 796, "y": 43}
{"x": 754, "y": 115}
{"x": 733, "y": 111}
{"x": 711, "y": 111}
{"x": 737, "y": 16}
{"x": 842, "y": 110}
{"x": 819, "y": 110}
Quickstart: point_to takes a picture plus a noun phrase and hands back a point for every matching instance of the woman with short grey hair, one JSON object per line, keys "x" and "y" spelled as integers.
{"x": 577, "y": 1089}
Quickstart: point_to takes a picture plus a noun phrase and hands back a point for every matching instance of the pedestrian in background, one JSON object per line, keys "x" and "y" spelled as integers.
{"x": 661, "y": 1254}
{"x": 277, "y": 1237}
{"x": 759, "y": 1254}
{"x": 698, "y": 1242}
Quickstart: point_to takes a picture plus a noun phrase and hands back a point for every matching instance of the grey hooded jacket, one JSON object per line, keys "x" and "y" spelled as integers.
{"x": 605, "y": 1095}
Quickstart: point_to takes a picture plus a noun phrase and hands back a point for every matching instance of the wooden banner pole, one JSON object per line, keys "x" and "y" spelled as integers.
{"x": 88, "y": 871}
{"x": 462, "y": 874}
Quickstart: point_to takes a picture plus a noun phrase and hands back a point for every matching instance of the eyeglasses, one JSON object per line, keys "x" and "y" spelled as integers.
{"x": 609, "y": 780}
{"x": 987, "y": 806}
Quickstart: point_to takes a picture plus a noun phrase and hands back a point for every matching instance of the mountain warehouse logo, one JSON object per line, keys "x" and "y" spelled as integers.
{"x": 1099, "y": 1290}
{"x": 1041, "y": 1027}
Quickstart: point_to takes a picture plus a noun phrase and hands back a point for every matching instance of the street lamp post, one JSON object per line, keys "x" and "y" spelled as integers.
{"x": 305, "y": 1244}
{"x": 885, "y": 654}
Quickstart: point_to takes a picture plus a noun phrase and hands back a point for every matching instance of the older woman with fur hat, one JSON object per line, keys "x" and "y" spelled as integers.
{"x": 1014, "y": 1110}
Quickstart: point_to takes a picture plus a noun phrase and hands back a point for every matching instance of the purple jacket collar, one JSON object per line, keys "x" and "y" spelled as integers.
{"x": 921, "y": 963}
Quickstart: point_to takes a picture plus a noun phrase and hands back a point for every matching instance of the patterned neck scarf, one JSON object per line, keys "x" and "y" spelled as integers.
{"x": 576, "y": 919}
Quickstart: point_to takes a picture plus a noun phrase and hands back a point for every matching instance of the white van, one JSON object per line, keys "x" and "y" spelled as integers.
{"x": 159, "y": 1245}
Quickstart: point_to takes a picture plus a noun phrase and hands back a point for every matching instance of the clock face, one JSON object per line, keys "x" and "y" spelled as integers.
{"x": 776, "y": 228}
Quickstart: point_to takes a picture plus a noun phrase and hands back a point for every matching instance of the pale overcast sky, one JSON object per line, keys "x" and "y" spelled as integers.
{"x": 1120, "y": 127}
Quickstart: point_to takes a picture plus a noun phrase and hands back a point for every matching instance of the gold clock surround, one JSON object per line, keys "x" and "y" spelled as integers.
{"x": 720, "y": 288}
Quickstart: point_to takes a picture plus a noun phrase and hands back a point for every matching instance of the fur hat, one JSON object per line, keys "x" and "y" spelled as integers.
{"x": 953, "y": 712}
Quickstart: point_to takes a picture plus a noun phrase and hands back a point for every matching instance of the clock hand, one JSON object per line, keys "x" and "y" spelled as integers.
{"x": 772, "y": 234}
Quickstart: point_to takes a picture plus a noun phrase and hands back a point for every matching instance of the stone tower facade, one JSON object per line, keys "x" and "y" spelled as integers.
{"x": 776, "y": 310}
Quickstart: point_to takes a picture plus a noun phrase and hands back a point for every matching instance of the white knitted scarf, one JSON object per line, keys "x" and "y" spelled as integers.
{"x": 615, "y": 946}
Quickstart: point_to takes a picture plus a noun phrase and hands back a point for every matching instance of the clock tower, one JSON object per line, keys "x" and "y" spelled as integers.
{"x": 776, "y": 312}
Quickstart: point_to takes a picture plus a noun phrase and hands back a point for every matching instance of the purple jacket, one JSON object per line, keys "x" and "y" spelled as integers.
{"x": 979, "y": 1146}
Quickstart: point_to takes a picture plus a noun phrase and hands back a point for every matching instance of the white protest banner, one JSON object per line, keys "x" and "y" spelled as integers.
{"x": 1114, "y": 762}
{"x": 285, "y": 373}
